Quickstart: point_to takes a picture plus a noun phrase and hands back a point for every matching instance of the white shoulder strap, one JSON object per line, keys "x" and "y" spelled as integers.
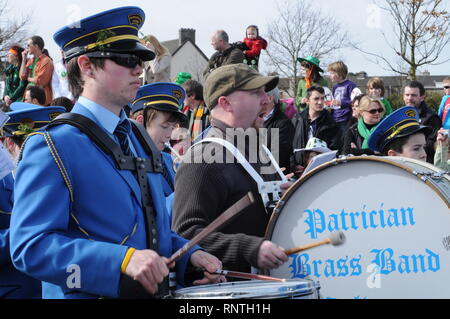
{"x": 264, "y": 188}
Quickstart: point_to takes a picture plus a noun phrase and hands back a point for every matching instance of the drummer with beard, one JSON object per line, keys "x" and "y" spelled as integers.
{"x": 210, "y": 179}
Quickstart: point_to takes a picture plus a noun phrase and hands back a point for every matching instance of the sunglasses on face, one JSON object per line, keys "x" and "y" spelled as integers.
{"x": 446, "y": 87}
{"x": 126, "y": 60}
{"x": 374, "y": 111}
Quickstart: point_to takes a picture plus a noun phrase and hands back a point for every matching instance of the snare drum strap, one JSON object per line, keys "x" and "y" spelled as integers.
{"x": 264, "y": 188}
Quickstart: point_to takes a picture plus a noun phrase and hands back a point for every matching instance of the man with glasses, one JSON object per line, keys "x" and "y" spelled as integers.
{"x": 90, "y": 218}
{"x": 37, "y": 70}
{"x": 414, "y": 95}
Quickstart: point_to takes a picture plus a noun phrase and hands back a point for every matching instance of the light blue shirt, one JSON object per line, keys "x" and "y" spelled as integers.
{"x": 107, "y": 119}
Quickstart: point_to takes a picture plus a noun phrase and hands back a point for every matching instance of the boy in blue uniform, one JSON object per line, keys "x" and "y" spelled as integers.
{"x": 401, "y": 134}
{"x": 91, "y": 219}
{"x": 24, "y": 119}
{"x": 157, "y": 108}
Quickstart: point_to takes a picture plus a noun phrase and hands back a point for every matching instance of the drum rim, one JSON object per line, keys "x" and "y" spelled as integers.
{"x": 304, "y": 287}
{"x": 343, "y": 160}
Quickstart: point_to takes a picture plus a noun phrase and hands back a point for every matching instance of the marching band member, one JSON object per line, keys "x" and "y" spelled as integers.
{"x": 401, "y": 134}
{"x": 208, "y": 182}
{"x": 23, "y": 120}
{"x": 90, "y": 218}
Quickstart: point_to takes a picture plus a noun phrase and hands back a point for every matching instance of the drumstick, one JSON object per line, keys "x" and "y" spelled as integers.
{"x": 244, "y": 275}
{"x": 219, "y": 221}
{"x": 336, "y": 239}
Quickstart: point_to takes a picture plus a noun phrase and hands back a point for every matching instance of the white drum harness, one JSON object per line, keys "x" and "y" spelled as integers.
{"x": 264, "y": 188}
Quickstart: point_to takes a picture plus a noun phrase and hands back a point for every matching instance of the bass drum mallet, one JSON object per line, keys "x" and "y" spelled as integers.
{"x": 335, "y": 239}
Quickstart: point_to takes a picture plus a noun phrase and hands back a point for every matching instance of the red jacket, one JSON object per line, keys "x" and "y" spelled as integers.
{"x": 255, "y": 46}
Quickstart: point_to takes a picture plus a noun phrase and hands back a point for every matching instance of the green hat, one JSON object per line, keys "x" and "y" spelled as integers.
{"x": 182, "y": 77}
{"x": 311, "y": 60}
{"x": 234, "y": 77}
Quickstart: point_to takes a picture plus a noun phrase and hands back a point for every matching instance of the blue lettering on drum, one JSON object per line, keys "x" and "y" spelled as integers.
{"x": 419, "y": 263}
{"x": 303, "y": 265}
{"x": 318, "y": 222}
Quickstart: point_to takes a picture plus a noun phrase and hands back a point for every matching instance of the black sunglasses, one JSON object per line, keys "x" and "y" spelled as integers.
{"x": 446, "y": 87}
{"x": 127, "y": 60}
{"x": 380, "y": 110}
{"x": 123, "y": 59}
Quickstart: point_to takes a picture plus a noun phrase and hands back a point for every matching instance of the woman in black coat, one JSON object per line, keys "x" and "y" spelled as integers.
{"x": 371, "y": 112}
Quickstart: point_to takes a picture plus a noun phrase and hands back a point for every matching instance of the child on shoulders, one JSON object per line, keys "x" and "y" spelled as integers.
{"x": 255, "y": 44}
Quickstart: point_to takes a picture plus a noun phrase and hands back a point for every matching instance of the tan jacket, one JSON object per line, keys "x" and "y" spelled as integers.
{"x": 157, "y": 70}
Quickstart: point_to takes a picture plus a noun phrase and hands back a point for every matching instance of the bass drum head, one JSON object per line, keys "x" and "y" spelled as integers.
{"x": 396, "y": 219}
{"x": 255, "y": 289}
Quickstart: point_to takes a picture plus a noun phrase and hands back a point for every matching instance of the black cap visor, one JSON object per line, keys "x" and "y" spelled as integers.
{"x": 130, "y": 47}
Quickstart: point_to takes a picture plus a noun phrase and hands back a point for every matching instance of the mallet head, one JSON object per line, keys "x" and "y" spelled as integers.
{"x": 337, "y": 238}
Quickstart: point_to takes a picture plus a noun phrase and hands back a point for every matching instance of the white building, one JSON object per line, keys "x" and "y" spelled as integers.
{"x": 186, "y": 55}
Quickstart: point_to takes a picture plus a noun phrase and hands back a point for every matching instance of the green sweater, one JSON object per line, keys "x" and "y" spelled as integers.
{"x": 14, "y": 86}
{"x": 387, "y": 106}
{"x": 301, "y": 92}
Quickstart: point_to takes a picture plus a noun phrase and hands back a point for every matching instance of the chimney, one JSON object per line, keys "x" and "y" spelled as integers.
{"x": 187, "y": 34}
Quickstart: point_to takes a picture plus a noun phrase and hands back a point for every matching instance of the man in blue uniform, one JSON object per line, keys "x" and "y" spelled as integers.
{"x": 89, "y": 219}
{"x": 24, "y": 119}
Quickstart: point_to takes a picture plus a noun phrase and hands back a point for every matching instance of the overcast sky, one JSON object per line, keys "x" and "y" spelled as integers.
{"x": 165, "y": 17}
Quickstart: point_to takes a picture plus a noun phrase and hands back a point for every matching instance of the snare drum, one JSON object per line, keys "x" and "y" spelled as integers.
{"x": 254, "y": 289}
{"x": 396, "y": 218}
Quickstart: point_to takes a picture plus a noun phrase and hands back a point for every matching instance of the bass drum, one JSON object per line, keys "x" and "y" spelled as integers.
{"x": 396, "y": 219}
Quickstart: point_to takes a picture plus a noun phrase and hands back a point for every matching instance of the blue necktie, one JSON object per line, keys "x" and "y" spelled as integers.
{"x": 122, "y": 131}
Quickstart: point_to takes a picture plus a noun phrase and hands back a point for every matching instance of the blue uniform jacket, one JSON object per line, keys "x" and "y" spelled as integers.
{"x": 168, "y": 190}
{"x": 74, "y": 207}
{"x": 13, "y": 283}
{"x": 168, "y": 163}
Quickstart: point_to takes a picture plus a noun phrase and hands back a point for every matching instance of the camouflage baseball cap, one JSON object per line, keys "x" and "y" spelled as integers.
{"x": 234, "y": 77}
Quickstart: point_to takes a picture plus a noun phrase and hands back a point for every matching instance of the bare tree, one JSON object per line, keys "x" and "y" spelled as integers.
{"x": 13, "y": 29}
{"x": 301, "y": 29}
{"x": 421, "y": 32}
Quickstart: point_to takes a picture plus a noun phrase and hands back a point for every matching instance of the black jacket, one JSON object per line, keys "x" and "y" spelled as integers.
{"x": 232, "y": 55}
{"x": 429, "y": 118}
{"x": 352, "y": 136}
{"x": 327, "y": 130}
{"x": 282, "y": 149}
